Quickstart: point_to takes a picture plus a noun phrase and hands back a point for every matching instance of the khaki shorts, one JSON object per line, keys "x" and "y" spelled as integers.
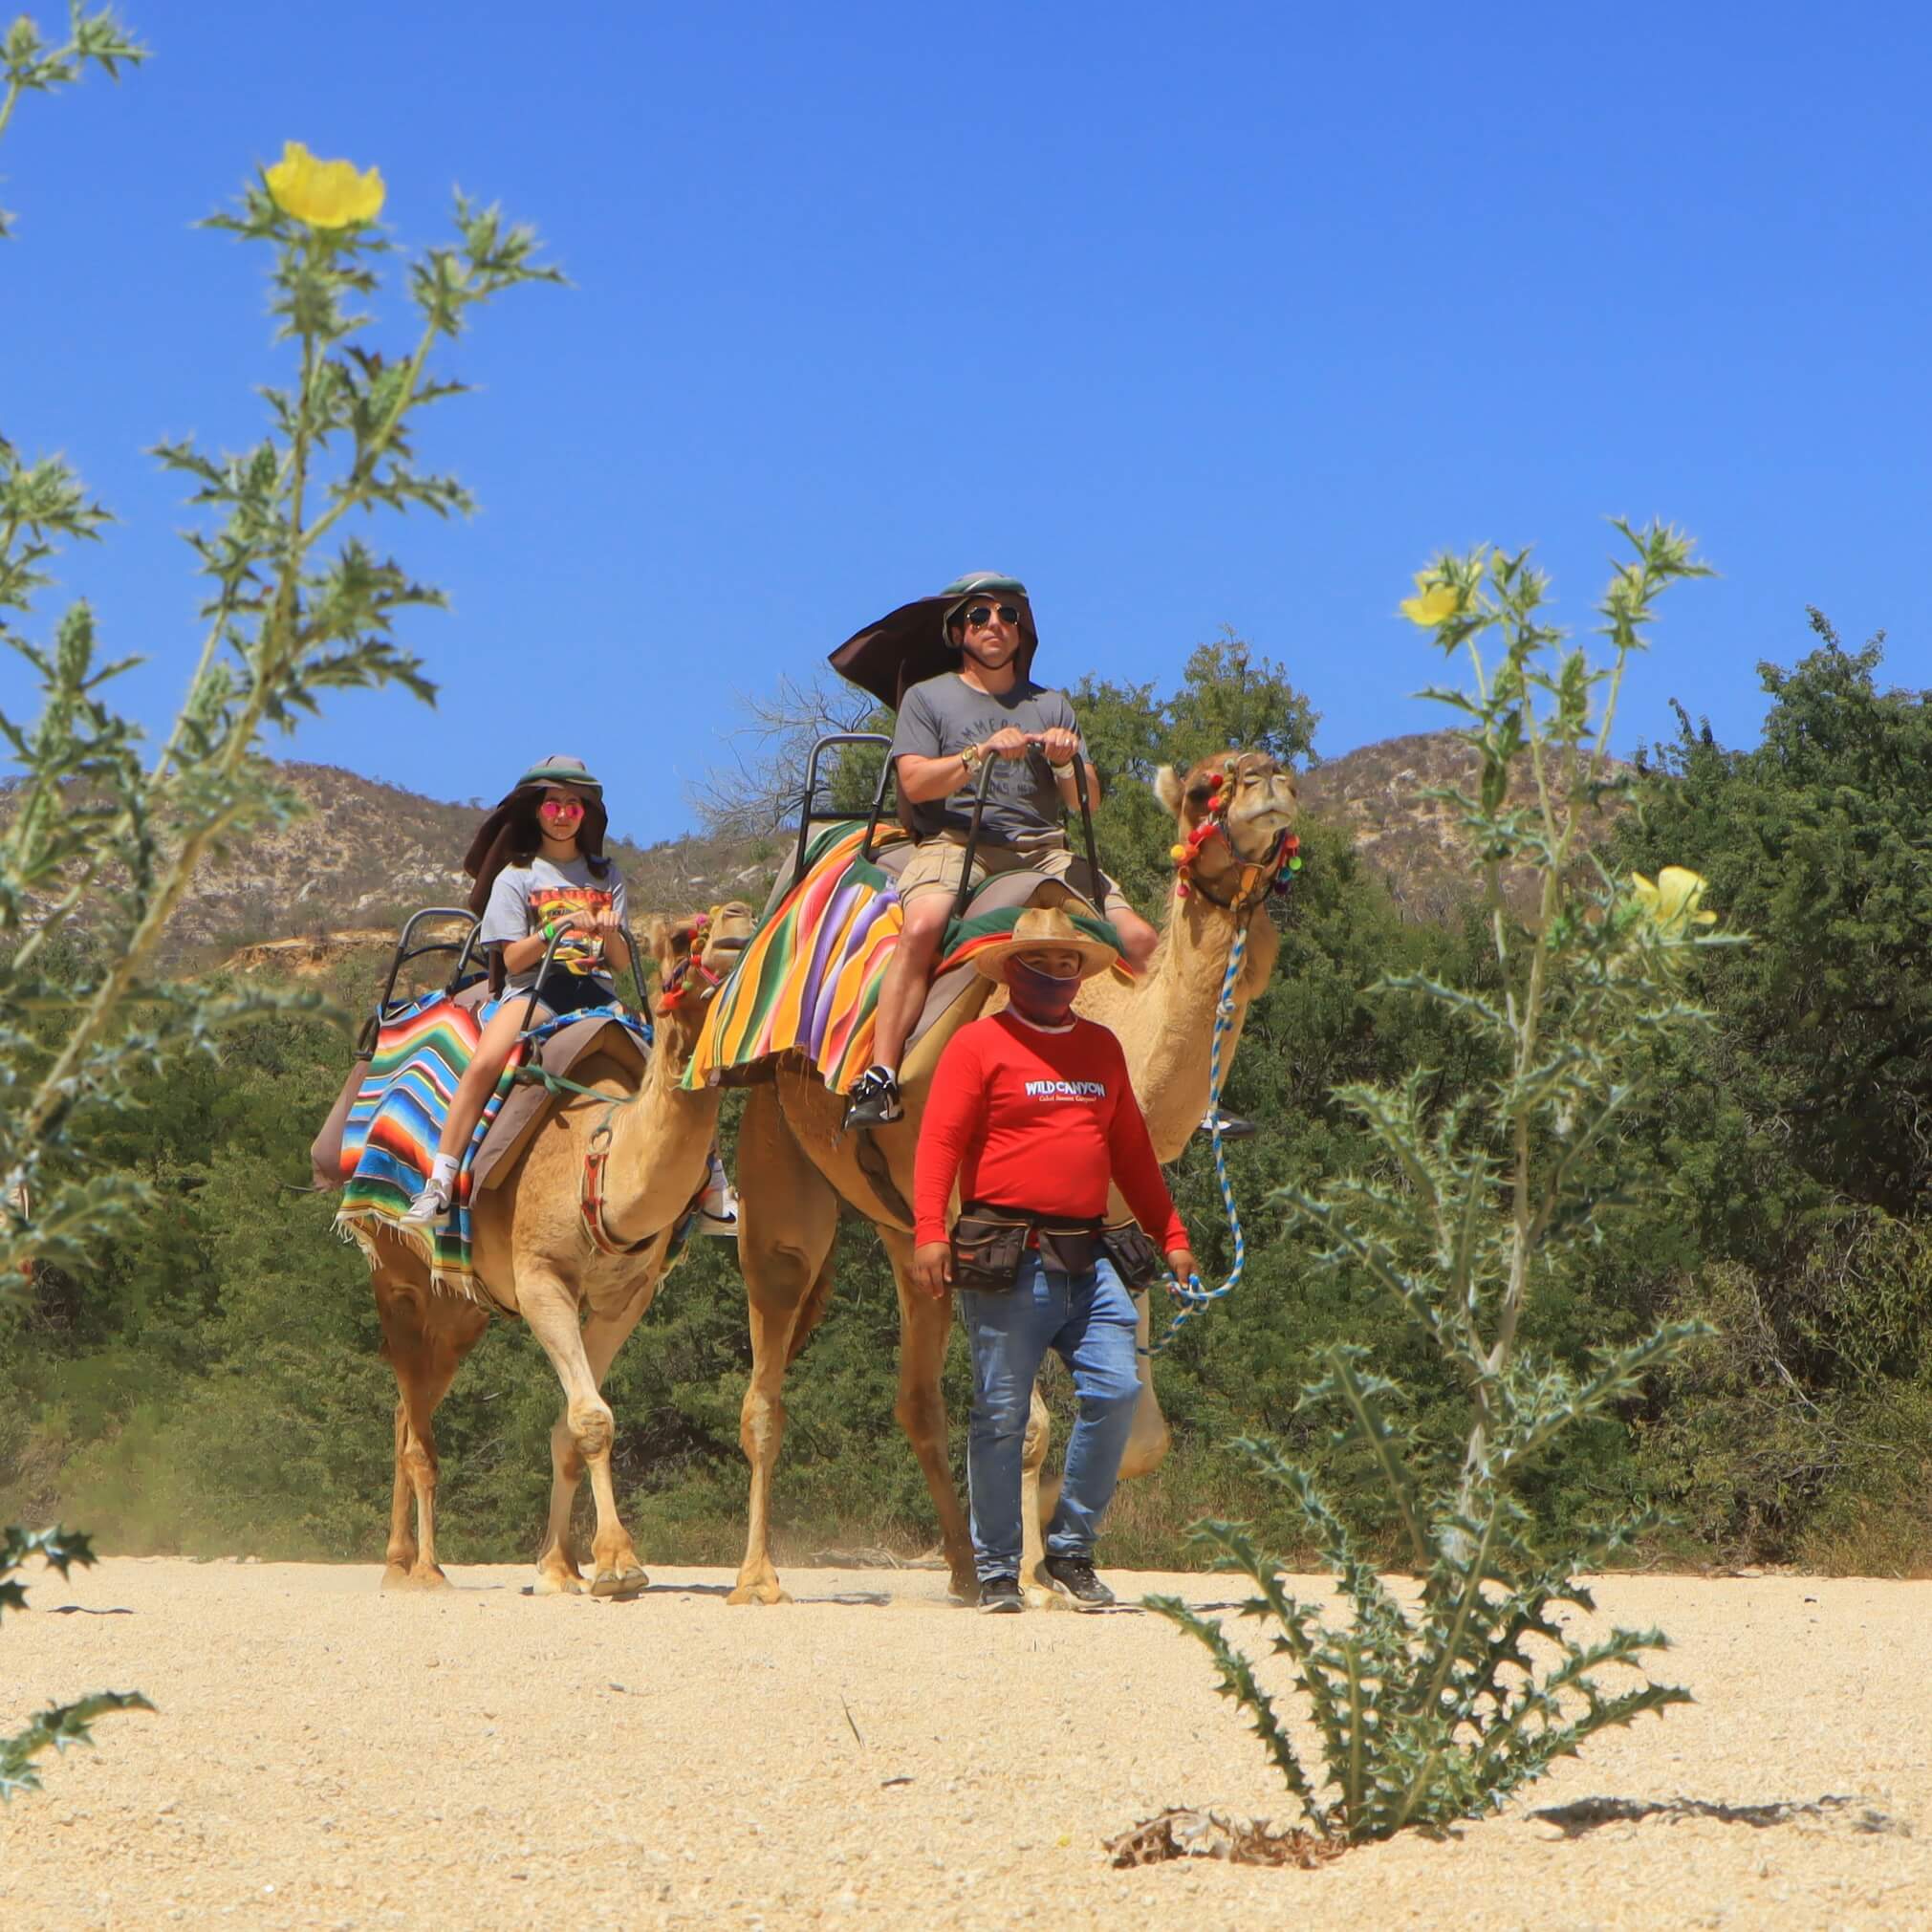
{"x": 935, "y": 867}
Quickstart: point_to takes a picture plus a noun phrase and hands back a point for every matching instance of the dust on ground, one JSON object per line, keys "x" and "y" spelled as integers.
{"x": 329, "y": 1755}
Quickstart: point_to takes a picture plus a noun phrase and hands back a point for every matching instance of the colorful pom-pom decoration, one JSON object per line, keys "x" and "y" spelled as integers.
{"x": 1179, "y": 853}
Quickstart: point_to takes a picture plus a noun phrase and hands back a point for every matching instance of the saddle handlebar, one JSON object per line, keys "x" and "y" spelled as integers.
{"x": 963, "y": 897}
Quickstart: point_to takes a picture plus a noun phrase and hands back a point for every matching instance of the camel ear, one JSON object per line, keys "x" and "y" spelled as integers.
{"x": 1167, "y": 789}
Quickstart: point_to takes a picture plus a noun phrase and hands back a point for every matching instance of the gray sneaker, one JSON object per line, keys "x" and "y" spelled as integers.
{"x": 875, "y": 1101}
{"x": 1000, "y": 1596}
{"x": 1074, "y": 1575}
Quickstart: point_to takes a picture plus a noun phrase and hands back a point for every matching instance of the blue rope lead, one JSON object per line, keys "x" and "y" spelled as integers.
{"x": 1192, "y": 1295}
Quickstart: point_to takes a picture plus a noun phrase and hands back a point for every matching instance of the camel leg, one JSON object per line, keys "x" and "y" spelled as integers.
{"x": 426, "y": 1338}
{"x": 604, "y": 1333}
{"x": 1148, "y": 1443}
{"x": 788, "y": 1218}
{"x": 399, "y": 1557}
{"x": 1039, "y": 1494}
{"x": 550, "y": 1307}
{"x": 925, "y": 1326}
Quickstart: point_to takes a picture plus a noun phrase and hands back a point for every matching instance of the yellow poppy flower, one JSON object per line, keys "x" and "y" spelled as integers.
{"x": 1431, "y": 603}
{"x": 1672, "y": 900}
{"x": 326, "y": 194}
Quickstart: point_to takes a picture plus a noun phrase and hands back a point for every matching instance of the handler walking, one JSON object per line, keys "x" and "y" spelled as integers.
{"x": 1031, "y": 1114}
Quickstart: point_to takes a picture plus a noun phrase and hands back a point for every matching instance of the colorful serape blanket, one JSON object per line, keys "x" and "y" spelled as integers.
{"x": 809, "y": 980}
{"x": 398, "y": 1115}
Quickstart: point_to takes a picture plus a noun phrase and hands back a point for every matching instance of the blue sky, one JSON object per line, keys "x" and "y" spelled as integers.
{"x": 1193, "y": 316}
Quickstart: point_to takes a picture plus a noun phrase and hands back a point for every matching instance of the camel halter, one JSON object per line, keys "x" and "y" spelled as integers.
{"x": 1278, "y": 869}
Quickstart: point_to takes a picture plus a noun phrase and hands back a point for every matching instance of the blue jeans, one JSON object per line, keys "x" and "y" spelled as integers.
{"x": 1089, "y": 1320}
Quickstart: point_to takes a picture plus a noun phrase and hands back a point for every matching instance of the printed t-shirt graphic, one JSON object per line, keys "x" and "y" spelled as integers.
{"x": 562, "y": 905}
{"x": 523, "y": 897}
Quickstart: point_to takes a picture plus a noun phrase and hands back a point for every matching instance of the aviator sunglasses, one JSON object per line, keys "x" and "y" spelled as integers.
{"x": 572, "y": 807}
{"x": 977, "y": 616}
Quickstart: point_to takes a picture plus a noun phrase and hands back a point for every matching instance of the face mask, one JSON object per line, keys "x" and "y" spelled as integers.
{"x": 1040, "y": 996}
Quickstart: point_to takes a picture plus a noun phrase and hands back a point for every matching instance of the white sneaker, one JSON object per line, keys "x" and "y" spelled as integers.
{"x": 431, "y": 1207}
{"x": 718, "y": 1204}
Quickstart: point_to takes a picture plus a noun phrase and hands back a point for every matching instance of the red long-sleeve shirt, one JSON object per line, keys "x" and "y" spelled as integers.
{"x": 1032, "y": 1117}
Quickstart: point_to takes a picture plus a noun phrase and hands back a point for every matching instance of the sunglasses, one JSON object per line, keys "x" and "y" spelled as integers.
{"x": 979, "y": 616}
{"x": 569, "y": 808}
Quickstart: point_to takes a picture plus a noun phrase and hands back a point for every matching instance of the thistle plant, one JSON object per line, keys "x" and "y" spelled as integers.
{"x": 99, "y": 833}
{"x": 1438, "y": 1702}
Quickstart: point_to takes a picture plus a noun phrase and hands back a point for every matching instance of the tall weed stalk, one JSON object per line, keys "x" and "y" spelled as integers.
{"x": 1437, "y": 1702}
{"x": 99, "y": 833}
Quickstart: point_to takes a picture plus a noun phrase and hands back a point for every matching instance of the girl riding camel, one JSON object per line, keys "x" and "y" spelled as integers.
{"x": 541, "y": 875}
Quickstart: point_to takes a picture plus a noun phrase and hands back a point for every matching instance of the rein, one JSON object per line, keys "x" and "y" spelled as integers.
{"x": 1276, "y": 870}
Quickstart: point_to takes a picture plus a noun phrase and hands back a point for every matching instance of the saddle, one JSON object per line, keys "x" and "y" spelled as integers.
{"x": 808, "y": 984}
{"x": 523, "y": 1109}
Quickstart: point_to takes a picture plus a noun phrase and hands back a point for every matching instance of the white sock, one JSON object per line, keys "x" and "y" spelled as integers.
{"x": 444, "y": 1167}
{"x": 890, "y": 1073}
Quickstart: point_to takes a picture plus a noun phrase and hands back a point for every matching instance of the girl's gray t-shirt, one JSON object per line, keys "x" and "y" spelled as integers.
{"x": 940, "y": 716}
{"x": 526, "y": 897}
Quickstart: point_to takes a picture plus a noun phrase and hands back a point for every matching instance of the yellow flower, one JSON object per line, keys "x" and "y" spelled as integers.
{"x": 1672, "y": 901}
{"x": 326, "y": 194}
{"x": 1431, "y": 603}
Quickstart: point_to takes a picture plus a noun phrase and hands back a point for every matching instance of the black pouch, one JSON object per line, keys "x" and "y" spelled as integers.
{"x": 1135, "y": 1259}
{"x": 986, "y": 1251}
{"x": 1068, "y": 1249}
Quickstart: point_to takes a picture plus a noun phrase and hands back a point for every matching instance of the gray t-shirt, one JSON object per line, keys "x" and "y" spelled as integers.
{"x": 523, "y": 897}
{"x": 941, "y": 717}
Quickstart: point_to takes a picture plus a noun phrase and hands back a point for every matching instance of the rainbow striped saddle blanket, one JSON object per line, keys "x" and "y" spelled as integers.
{"x": 396, "y": 1118}
{"x": 808, "y": 983}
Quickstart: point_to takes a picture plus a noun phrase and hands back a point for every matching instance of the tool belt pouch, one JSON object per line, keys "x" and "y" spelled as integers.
{"x": 1135, "y": 1259}
{"x": 986, "y": 1251}
{"x": 1070, "y": 1249}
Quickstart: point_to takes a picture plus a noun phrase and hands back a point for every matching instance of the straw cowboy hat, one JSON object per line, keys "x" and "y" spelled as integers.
{"x": 910, "y": 644}
{"x": 1046, "y": 929}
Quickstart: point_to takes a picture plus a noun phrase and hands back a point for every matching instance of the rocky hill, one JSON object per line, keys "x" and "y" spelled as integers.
{"x": 340, "y": 880}
{"x": 1379, "y": 793}
{"x": 365, "y": 855}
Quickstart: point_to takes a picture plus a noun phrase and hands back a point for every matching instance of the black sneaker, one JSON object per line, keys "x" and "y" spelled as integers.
{"x": 1074, "y": 1575}
{"x": 1000, "y": 1596}
{"x": 1232, "y": 1126}
{"x": 875, "y": 1101}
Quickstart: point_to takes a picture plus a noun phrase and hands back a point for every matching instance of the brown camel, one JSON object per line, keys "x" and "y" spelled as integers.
{"x": 796, "y": 1168}
{"x": 536, "y": 1260}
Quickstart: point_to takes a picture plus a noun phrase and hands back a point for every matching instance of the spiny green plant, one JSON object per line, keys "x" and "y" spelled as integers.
{"x": 59, "y": 1724}
{"x": 1437, "y": 1703}
{"x": 96, "y": 830}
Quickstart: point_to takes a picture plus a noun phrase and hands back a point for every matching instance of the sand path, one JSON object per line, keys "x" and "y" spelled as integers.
{"x": 327, "y": 1755}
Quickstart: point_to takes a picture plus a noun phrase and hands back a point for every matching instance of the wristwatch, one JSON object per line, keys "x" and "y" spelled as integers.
{"x": 972, "y": 758}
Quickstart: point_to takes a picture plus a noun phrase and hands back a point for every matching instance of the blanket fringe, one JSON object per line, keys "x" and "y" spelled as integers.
{"x": 364, "y": 1230}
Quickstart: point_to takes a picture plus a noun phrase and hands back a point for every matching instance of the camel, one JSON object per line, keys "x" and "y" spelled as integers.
{"x": 533, "y": 1251}
{"x": 795, "y": 1166}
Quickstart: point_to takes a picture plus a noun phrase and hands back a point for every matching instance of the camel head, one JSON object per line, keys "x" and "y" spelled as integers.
{"x": 695, "y": 956}
{"x": 1232, "y": 810}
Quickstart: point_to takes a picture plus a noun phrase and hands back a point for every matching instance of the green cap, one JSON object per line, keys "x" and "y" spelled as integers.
{"x": 561, "y": 770}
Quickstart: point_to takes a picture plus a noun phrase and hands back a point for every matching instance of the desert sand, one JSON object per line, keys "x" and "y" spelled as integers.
{"x": 329, "y": 1755}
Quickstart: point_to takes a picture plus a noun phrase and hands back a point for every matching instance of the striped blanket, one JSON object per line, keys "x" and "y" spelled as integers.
{"x": 397, "y": 1118}
{"x": 809, "y": 981}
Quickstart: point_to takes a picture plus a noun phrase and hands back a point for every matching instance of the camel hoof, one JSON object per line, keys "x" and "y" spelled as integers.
{"x": 617, "y": 1586}
{"x": 758, "y": 1592}
{"x": 1045, "y": 1597}
{"x": 416, "y": 1577}
{"x": 557, "y": 1583}
{"x": 963, "y": 1589}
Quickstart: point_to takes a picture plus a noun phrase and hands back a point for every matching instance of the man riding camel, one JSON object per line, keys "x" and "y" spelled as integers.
{"x": 986, "y": 706}
{"x": 949, "y": 726}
